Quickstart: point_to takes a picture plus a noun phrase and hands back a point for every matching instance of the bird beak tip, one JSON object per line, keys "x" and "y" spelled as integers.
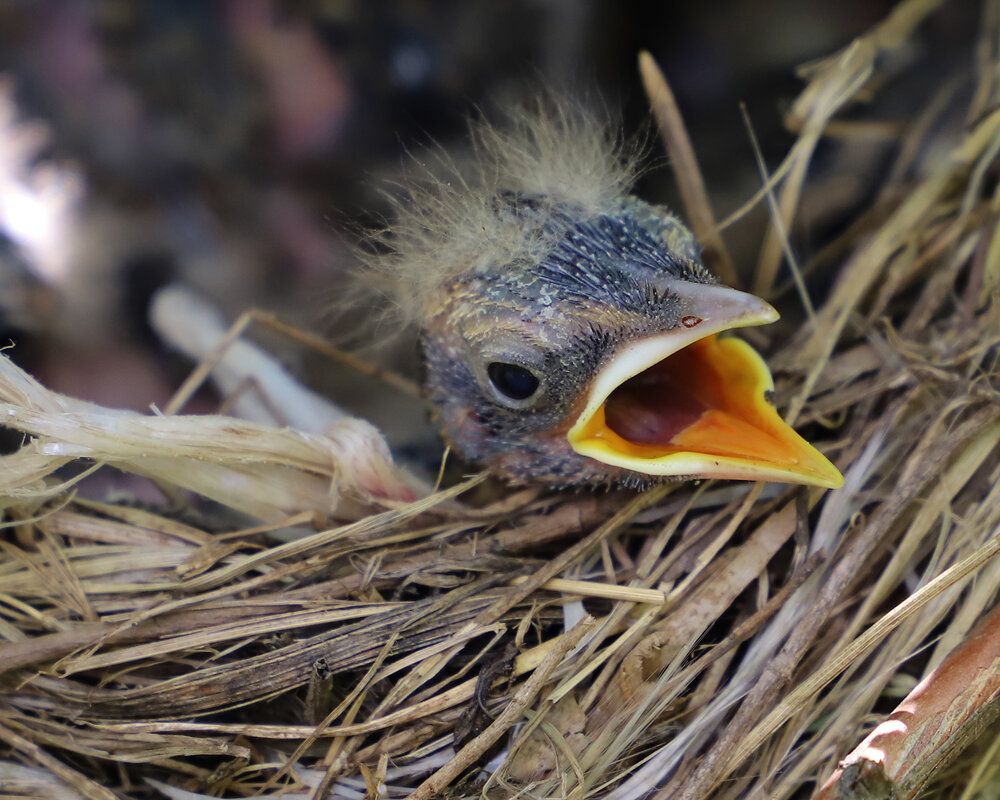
{"x": 724, "y": 308}
{"x": 769, "y": 313}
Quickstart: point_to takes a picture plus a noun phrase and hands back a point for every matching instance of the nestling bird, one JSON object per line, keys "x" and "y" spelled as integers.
{"x": 570, "y": 331}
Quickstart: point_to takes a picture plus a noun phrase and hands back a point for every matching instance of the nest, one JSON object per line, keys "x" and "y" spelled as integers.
{"x": 297, "y": 624}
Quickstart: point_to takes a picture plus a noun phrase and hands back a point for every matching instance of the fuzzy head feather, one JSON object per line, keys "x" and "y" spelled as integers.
{"x": 448, "y": 218}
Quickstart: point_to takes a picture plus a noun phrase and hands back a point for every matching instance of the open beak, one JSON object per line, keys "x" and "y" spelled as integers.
{"x": 688, "y": 403}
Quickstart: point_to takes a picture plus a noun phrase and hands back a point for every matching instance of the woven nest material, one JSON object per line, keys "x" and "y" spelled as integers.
{"x": 316, "y": 632}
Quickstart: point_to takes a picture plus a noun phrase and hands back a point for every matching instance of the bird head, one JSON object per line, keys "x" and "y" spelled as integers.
{"x": 572, "y": 335}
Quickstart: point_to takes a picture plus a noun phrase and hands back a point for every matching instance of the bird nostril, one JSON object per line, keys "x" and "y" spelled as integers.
{"x": 512, "y": 380}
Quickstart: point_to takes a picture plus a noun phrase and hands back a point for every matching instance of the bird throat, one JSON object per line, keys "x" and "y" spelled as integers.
{"x": 699, "y": 411}
{"x": 658, "y": 404}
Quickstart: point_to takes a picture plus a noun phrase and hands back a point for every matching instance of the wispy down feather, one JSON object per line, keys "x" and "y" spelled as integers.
{"x": 448, "y": 219}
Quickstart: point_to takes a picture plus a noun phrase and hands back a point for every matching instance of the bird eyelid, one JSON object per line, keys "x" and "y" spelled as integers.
{"x": 512, "y": 346}
{"x": 515, "y": 349}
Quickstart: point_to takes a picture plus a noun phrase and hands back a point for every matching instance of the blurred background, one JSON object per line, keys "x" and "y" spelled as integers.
{"x": 238, "y": 147}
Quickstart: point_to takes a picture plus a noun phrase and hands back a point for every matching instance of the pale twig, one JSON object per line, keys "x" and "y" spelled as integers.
{"x": 779, "y": 224}
{"x": 686, "y": 169}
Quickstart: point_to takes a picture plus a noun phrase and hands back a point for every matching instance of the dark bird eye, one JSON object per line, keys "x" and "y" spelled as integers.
{"x": 512, "y": 381}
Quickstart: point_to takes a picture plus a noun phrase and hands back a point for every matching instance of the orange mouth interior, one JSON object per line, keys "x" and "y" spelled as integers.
{"x": 702, "y": 411}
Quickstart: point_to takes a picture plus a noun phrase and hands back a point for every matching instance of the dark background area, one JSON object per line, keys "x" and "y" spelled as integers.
{"x": 235, "y": 146}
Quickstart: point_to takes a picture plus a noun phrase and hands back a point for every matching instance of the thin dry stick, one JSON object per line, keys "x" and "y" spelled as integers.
{"x": 204, "y": 369}
{"x": 474, "y": 750}
{"x": 609, "y": 591}
{"x": 76, "y": 780}
{"x": 834, "y": 95}
{"x": 320, "y": 345}
{"x": 317, "y": 343}
{"x": 781, "y": 230}
{"x": 686, "y": 169}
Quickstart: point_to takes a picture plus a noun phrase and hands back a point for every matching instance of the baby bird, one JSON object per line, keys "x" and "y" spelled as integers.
{"x": 570, "y": 331}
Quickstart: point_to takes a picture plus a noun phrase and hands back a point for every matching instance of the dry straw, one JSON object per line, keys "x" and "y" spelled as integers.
{"x": 302, "y": 629}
